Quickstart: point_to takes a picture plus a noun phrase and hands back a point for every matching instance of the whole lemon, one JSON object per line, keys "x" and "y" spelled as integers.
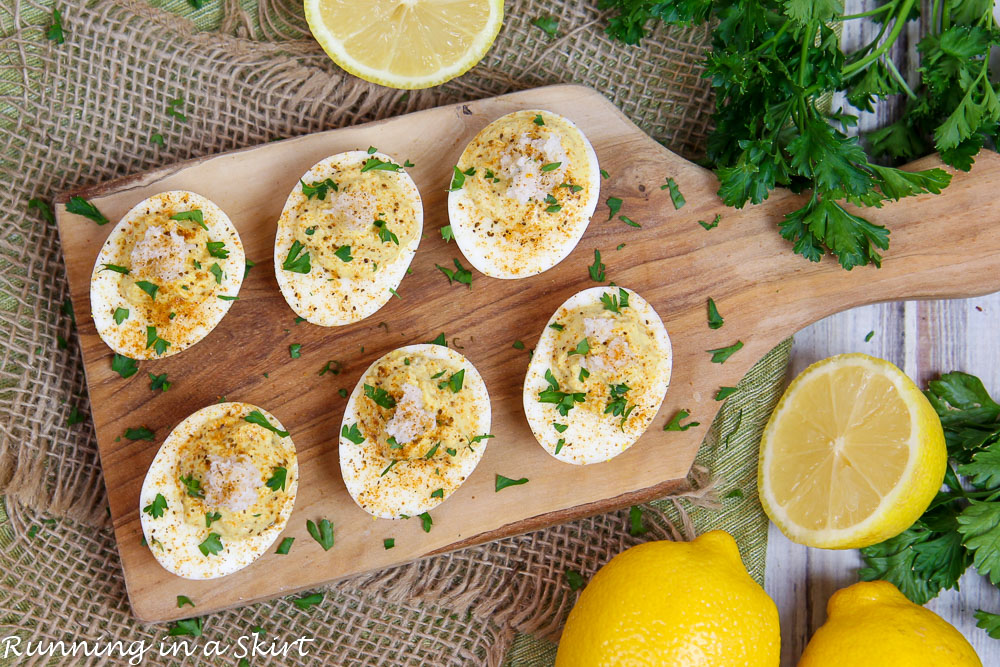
{"x": 872, "y": 624}
{"x": 682, "y": 604}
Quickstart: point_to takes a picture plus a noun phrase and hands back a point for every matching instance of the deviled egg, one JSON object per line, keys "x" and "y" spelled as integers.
{"x": 166, "y": 275}
{"x": 346, "y": 236}
{"x": 598, "y": 375}
{"x": 219, "y": 491}
{"x": 523, "y": 193}
{"x": 414, "y": 429}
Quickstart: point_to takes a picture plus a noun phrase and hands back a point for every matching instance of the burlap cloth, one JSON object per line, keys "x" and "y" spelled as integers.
{"x": 84, "y": 111}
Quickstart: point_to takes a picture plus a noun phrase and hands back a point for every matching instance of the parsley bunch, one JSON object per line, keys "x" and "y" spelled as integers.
{"x": 962, "y": 525}
{"x": 770, "y": 64}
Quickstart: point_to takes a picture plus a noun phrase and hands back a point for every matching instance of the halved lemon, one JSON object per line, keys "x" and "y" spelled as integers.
{"x": 405, "y": 43}
{"x": 852, "y": 455}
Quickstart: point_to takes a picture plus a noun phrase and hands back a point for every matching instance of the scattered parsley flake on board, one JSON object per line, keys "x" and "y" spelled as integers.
{"x": 342, "y": 392}
{"x": 614, "y": 205}
{"x": 675, "y": 422}
{"x": 629, "y": 221}
{"x": 605, "y": 174}
{"x": 258, "y": 418}
{"x": 140, "y": 433}
{"x": 711, "y": 225}
{"x": 183, "y": 600}
{"x": 331, "y": 366}
{"x": 446, "y": 233}
{"x": 518, "y": 345}
{"x": 80, "y": 206}
{"x": 158, "y": 382}
{"x": 597, "y": 268}
{"x": 459, "y": 275}
{"x": 322, "y": 533}
{"x": 389, "y": 543}
{"x": 675, "y": 193}
{"x": 426, "y": 522}
{"x": 124, "y": 366}
{"x": 720, "y": 355}
{"x": 295, "y": 350}
{"x": 714, "y": 318}
{"x": 285, "y": 546}
{"x": 547, "y": 24}
{"x": 724, "y": 393}
{"x": 503, "y": 482}
{"x": 248, "y": 264}
{"x": 440, "y": 340}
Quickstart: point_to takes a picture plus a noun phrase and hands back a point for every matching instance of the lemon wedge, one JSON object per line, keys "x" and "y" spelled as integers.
{"x": 405, "y": 43}
{"x": 852, "y": 455}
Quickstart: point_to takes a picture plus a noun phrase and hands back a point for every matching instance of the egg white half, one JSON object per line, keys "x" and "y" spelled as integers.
{"x": 594, "y": 437}
{"x": 509, "y": 238}
{"x": 172, "y": 540}
{"x": 321, "y": 297}
{"x": 130, "y": 338}
{"x": 406, "y": 489}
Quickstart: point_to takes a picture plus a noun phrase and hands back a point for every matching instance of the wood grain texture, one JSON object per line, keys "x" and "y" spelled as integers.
{"x": 764, "y": 291}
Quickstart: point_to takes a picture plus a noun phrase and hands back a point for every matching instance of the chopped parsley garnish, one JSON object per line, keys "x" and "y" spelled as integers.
{"x": 226, "y": 297}
{"x": 388, "y": 467}
{"x": 551, "y": 166}
{"x": 248, "y": 264}
{"x": 713, "y": 224}
{"x": 675, "y": 193}
{"x": 438, "y": 493}
{"x": 375, "y": 164}
{"x": 389, "y": 542}
{"x": 459, "y": 275}
{"x": 451, "y": 451}
{"x": 426, "y": 522}
{"x": 582, "y": 348}
{"x": 614, "y": 205}
{"x": 342, "y": 392}
{"x": 285, "y": 546}
{"x": 560, "y": 444}
{"x": 195, "y": 215}
{"x": 503, "y": 482}
{"x": 575, "y": 580}
{"x": 597, "y": 268}
{"x": 490, "y": 176}
{"x": 80, "y": 206}
{"x": 156, "y": 508}
{"x": 538, "y": 120}
{"x": 210, "y": 517}
{"x": 557, "y": 326}
{"x": 183, "y": 600}
{"x": 344, "y": 253}
{"x": 148, "y": 287}
{"x": 117, "y": 269}
{"x": 153, "y": 340}
{"x": 55, "y": 30}
{"x": 480, "y": 438}
{"x": 192, "y": 486}
{"x": 331, "y": 366}
{"x": 124, "y": 366}
{"x": 318, "y": 189}
{"x": 446, "y": 233}
{"x": 190, "y": 627}
{"x": 408, "y": 164}
{"x": 605, "y": 174}
{"x": 869, "y": 336}
{"x": 439, "y": 340}
{"x": 629, "y": 221}
{"x": 635, "y": 527}
{"x": 372, "y": 150}
{"x": 560, "y": 428}
{"x": 392, "y": 443}
{"x": 295, "y": 350}
{"x": 614, "y": 302}
{"x": 352, "y": 433}
{"x": 395, "y": 293}
{"x": 564, "y": 401}
{"x": 380, "y": 396}
{"x": 547, "y": 24}
{"x": 456, "y": 381}
{"x": 217, "y": 249}
{"x": 432, "y": 451}
{"x": 158, "y": 382}
{"x": 714, "y": 319}
{"x": 308, "y": 601}
{"x": 384, "y": 235}
{"x": 278, "y": 479}
{"x": 323, "y": 533}
{"x": 121, "y": 314}
{"x": 518, "y": 345}
{"x": 294, "y": 261}
{"x": 211, "y": 545}
{"x": 675, "y": 422}
{"x": 258, "y": 418}
{"x": 618, "y": 404}
{"x": 458, "y": 178}
{"x": 724, "y": 393}
{"x": 216, "y": 271}
{"x": 554, "y": 205}
{"x": 299, "y": 319}
{"x": 720, "y": 355}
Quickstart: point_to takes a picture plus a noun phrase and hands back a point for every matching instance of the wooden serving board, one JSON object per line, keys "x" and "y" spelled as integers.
{"x": 942, "y": 246}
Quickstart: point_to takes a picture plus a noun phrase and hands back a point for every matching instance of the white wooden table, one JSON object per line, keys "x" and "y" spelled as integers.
{"x": 924, "y": 339}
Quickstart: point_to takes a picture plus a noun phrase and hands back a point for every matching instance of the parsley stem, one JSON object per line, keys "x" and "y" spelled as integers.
{"x": 870, "y": 12}
{"x": 897, "y": 27}
{"x": 899, "y": 78}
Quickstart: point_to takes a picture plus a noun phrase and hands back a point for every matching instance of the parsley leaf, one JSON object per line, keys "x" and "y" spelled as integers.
{"x": 285, "y": 546}
{"x": 140, "y": 433}
{"x": 675, "y": 422}
{"x": 44, "y": 209}
{"x": 308, "y": 601}
{"x": 456, "y": 381}
{"x": 564, "y": 401}
{"x": 375, "y": 164}
{"x": 635, "y": 526}
{"x": 323, "y": 533}
{"x": 295, "y": 350}
{"x": 149, "y": 288}
{"x": 547, "y": 24}
{"x": 714, "y": 319}
{"x": 724, "y": 393}
{"x": 344, "y": 253}
{"x": 153, "y": 340}
{"x": 192, "y": 486}
{"x": 597, "y": 269}
{"x": 216, "y": 271}
{"x": 211, "y": 546}
{"x": 195, "y": 215}
{"x": 183, "y": 600}
{"x": 158, "y": 382}
{"x": 675, "y": 193}
{"x": 352, "y": 433}
{"x": 55, "y": 31}
{"x": 80, "y": 206}
{"x": 388, "y": 543}
{"x": 156, "y": 508}
{"x": 277, "y": 480}
{"x": 258, "y": 418}
{"x": 121, "y": 314}
{"x": 459, "y": 275}
{"x": 190, "y": 627}
{"x": 446, "y": 233}
{"x": 380, "y": 396}
{"x": 503, "y": 482}
{"x": 384, "y": 235}
{"x": 426, "y": 522}
{"x": 124, "y": 366}
{"x": 217, "y": 249}
{"x": 296, "y": 262}
{"x": 720, "y": 355}
{"x": 614, "y": 302}
{"x": 711, "y": 225}
{"x": 318, "y": 189}
{"x": 614, "y": 205}
{"x": 575, "y": 580}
